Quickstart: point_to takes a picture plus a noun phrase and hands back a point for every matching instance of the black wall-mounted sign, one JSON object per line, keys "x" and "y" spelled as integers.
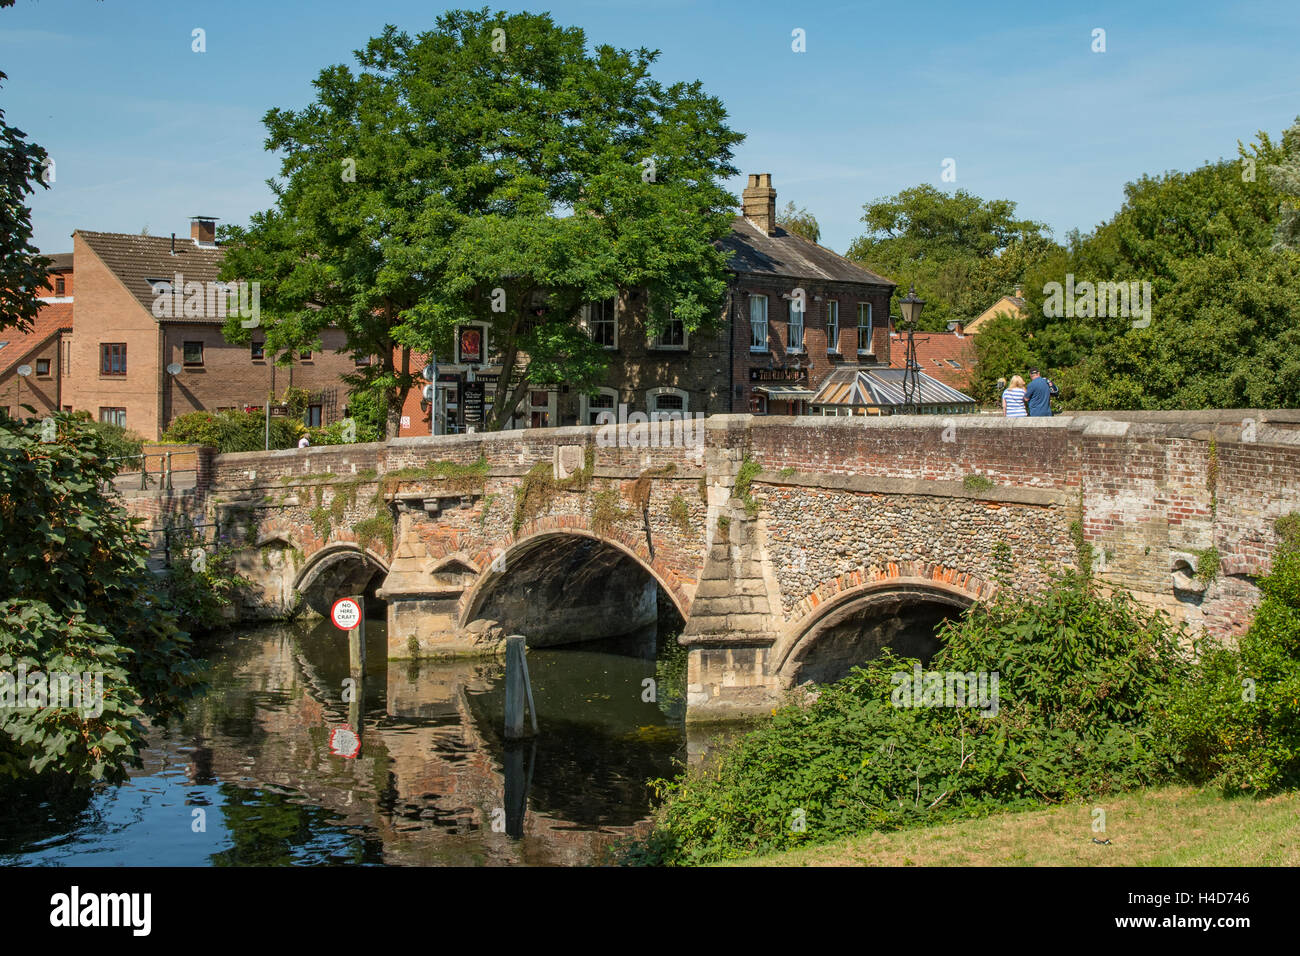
{"x": 791, "y": 373}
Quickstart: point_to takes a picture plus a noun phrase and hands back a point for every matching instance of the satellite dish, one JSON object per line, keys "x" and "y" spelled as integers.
{"x": 24, "y": 370}
{"x": 430, "y": 370}
{"x": 174, "y": 369}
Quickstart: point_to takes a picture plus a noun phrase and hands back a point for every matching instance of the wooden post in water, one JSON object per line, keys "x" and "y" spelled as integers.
{"x": 518, "y": 688}
{"x": 357, "y": 642}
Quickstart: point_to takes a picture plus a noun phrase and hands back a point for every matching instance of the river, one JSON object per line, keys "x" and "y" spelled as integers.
{"x": 248, "y": 776}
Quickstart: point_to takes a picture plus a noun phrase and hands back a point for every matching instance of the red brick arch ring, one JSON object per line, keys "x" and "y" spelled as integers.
{"x": 839, "y": 598}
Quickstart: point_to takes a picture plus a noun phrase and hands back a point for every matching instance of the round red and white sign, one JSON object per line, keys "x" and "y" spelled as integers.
{"x": 344, "y": 742}
{"x": 346, "y": 614}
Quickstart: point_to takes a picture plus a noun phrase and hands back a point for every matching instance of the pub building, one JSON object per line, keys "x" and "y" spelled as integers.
{"x": 794, "y": 315}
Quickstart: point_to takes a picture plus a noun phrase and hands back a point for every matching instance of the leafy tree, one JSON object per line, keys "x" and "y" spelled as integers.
{"x": 799, "y": 221}
{"x": 961, "y": 252}
{"x": 1285, "y": 178}
{"x": 494, "y": 169}
{"x": 78, "y": 597}
{"x": 22, "y": 268}
{"x": 1223, "y": 294}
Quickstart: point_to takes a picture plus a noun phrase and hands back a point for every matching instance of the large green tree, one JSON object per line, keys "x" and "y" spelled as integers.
{"x": 22, "y": 268}
{"x": 1224, "y": 323}
{"x": 961, "y": 252}
{"x": 496, "y": 169}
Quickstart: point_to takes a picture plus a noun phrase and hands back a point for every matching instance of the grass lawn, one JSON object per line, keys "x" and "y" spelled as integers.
{"x": 1170, "y": 826}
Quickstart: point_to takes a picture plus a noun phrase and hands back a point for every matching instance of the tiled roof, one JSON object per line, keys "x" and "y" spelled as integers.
{"x": 935, "y": 353}
{"x": 53, "y": 317}
{"x": 785, "y": 254}
{"x": 59, "y": 262}
{"x": 136, "y": 259}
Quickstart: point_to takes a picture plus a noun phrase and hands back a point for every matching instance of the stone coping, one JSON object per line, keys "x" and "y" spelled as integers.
{"x": 872, "y": 484}
{"x": 1283, "y": 427}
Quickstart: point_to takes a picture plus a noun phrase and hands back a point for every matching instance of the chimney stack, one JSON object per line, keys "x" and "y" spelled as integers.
{"x": 203, "y": 230}
{"x": 759, "y": 202}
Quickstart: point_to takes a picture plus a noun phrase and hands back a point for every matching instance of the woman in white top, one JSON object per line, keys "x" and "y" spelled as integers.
{"x": 1013, "y": 399}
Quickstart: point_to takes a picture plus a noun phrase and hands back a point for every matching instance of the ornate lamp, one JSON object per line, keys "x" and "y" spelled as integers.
{"x": 910, "y": 306}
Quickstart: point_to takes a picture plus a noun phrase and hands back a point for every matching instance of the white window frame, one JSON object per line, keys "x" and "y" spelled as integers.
{"x": 656, "y": 341}
{"x": 870, "y": 327}
{"x": 753, "y": 324}
{"x": 802, "y": 325}
{"x": 652, "y": 400}
{"x": 833, "y": 326}
{"x": 584, "y": 405}
{"x": 588, "y": 326}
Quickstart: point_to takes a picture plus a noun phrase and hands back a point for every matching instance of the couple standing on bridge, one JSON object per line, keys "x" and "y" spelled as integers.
{"x": 1034, "y": 400}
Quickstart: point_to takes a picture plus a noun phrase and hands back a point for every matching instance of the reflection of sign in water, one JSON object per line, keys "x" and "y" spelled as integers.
{"x": 344, "y": 742}
{"x": 346, "y": 614}
{"x": 472, "y": 394}
{"x": 471, "y": 344}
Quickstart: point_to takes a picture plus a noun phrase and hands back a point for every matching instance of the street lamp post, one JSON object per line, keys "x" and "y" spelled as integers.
{"x": 911, "y": 307}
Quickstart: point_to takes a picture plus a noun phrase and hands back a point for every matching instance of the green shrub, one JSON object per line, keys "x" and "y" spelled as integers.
{"x": 233, "y": 431}
{"x": 1081, "y": 680}
{"x": 119, "y": 443}
{"x": 1238, "y": 722}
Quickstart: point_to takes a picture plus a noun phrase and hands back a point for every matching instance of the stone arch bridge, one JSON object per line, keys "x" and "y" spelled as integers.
{"x": 780, "y": 542}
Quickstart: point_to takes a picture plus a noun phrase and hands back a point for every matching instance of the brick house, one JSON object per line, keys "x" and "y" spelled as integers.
{"x": 949, "y": 357}
{"x": 763, "y": 355}
{"x": 42, "y": 351}
{"x": 122, "y": 343}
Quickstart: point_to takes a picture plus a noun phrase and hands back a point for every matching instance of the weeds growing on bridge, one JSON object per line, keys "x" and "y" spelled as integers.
{"x": 452, "y": 475}
{"x": 539, "y": 486}
{"x": 749, "y": 470}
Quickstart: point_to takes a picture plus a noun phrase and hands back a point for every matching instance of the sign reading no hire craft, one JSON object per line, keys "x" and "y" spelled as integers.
{"x": 346, "y": 614}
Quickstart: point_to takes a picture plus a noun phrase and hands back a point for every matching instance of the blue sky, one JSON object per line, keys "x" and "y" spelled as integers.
{"x": 145, "y": 132}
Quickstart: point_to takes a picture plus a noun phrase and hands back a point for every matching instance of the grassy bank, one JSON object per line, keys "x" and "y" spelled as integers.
{"x": 1167, "y": 826}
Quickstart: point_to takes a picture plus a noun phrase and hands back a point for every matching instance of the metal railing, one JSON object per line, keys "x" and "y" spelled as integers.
{"x": 164, "y": 472}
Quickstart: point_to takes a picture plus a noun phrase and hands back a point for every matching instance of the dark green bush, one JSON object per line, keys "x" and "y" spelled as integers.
{"x": 1238, "y": 724}
{"x": 233, "y": 431}
{"x": 1083, "y": 682}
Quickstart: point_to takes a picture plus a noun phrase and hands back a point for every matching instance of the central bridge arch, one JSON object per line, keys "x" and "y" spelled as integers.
{"x": 564, "y": 585}
{"x": 861, "y": 614}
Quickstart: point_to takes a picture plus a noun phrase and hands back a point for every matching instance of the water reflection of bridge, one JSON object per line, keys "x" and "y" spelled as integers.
{"x": 434, "y": 780}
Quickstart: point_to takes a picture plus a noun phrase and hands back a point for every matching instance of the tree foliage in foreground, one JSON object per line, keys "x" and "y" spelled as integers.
{"x": 76, "y": 596}
{"x": 22, "y": 268}
{"x": 494, "y": 168}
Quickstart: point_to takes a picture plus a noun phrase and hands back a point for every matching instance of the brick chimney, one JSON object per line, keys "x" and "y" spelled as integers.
{"x": 759, "y": 202}
{"x": 203, "y": 230}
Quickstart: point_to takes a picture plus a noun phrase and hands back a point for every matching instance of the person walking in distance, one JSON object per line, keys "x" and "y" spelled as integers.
{"x": 1013, "y": 399}
{"x": 1038, "y": 395}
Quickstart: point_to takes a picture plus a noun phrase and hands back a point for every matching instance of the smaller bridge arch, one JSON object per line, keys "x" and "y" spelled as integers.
{"x": 851, "y": 618}
{"x": 338, "y": 569}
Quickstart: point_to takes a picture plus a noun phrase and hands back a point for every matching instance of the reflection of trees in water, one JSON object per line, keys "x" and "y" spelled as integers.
{"x": 270, "y": 829}
{"x": 36, "y": 812}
